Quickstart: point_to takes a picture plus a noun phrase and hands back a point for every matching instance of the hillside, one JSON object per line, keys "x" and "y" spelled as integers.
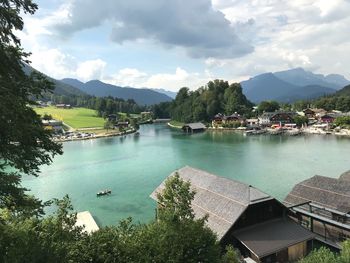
{"x": 101, "y": 89}
{"x": 306, "y": 93}
{"x": 61, "y": 88}
{"x": 169, "y": 93}
{"x": 344, "y": 91}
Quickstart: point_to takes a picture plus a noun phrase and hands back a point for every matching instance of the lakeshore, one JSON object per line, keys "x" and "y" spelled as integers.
{"x": 130, "y": 166}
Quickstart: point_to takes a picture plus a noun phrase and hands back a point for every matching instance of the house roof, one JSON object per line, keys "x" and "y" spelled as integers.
{"x": 272, "y": 236}
{"x": 195, "y": 126}
{"x": 345, "y": 176}
{"x": 224, "y": 200}
{"x": 329, "y": 192}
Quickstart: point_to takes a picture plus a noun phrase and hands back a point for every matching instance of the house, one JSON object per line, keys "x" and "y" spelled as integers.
{"x": 122, "y": 124}
{"x": 112, "y": 117}
{"x": 326, "y": 118}
{"x": 194, "y": 127}
{"x": 252, "y": 123}
{"x": 220, "y": 119}
{"x": 53, "y": 125}
{"x": 63, "y": 106}
{"x": 322, "y": 204}
{"x": 146, "y": 115}
{"x": 245, "y": 217}
{"x": 278, "y": 117}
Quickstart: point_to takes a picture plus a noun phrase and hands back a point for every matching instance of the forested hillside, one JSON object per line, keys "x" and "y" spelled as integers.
{"x": 217, "y": 96}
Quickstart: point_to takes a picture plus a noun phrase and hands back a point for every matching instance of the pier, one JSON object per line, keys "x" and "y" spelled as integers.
{"x": 85, "y": 220}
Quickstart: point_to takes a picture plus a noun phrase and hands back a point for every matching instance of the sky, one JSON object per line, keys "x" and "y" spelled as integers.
{"x": 172, "y": 44}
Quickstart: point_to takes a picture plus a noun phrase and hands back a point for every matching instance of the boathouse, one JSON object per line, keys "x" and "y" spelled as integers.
{"x": 245, "y": 217}
{"x": 194, "y": 127}
{"x": 322, "y": 204}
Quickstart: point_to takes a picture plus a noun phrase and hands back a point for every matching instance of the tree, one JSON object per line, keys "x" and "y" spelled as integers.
{"x": 268, "y": 106}
{"x": 322, "y": 255}
{"x": 300, "y": 120}
{"x": 232, "y": 255}
{"x": 174, "y": 202}
{"x": 24, "y": 144}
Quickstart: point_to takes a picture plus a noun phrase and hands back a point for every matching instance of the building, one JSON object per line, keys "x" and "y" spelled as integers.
{"x": 245, "y": 217}
{"x": 122, "y": 124}
{"x": 63, "y": 106}
{"x": 220, "y": 119}
{"x": 326, "y": 118}
{"x": 194, "y": 127}
{"x": 53, "y": 125}
{"x": 278, "y": 117}
{"x": 252, "y": 123}
{"x": 322, "y": 204}
{"x": 112, "y": 117}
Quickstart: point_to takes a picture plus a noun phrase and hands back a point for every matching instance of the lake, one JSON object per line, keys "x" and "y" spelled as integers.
{"x": 133, "y": 166}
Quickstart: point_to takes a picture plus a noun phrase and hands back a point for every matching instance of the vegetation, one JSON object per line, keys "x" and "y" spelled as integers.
{"x": 217, "y": 96}
{"x": 103, "y": 105}
{"x": 268, "y": 106}
{"x": 324, "y": 255}
{"x": 76, "y": 117}
{"x": 343, "y": 121}
{"x": 24, "y": 144}
{"x": 300, "y": 120}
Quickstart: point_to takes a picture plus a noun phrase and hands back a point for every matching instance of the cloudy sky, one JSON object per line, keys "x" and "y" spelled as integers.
{"x": 171, "y": 44}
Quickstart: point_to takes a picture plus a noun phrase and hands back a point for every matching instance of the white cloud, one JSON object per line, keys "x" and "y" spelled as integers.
{"x": 90, "y": 69}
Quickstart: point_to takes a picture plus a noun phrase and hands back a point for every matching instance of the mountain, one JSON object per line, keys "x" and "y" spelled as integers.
{"x": 306, "y": 93}
{"x": 291, "y": 85}
{"x": 101, "y": 89}
{"x": 266, "y": 87}
{"x": 301, "y": 77}
{"x": 344, "y": 91}
{"x": 169, "y": 93}
{"x": 61, "y": 88}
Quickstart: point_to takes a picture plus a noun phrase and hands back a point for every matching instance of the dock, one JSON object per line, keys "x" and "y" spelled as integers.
{"x": 85, "y": 220}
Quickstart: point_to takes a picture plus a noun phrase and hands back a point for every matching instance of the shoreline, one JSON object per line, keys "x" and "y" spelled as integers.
{"x": 302, "y": 132}
{"x": 97, "y": 136}
{"x": 174, "y": 126}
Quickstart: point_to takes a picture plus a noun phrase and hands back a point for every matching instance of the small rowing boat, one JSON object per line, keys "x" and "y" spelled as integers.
{"x": 104, "y": 192}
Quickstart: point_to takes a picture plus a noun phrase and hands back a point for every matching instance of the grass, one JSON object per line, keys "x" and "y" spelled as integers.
{"x": 76, "y": 118}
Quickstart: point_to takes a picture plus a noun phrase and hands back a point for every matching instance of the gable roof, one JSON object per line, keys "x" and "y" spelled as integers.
{"x": 325, "y": 191}
{"x": 195, "y": 126}
{"x": 224, "y": 200}
{"x": 345, "y": 176}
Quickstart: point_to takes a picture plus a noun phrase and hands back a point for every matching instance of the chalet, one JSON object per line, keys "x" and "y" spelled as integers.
{"x": 63, "y": 106}
{"x": 252, "y": 123}
{"x": 194, "y": 127}
{"x": 322, "y": 204}
{"x": 220, "y": 119}
{"x": 122, "y": 124}
{"x": 112, "y": 117}
{"x": 245, "y": 217}
{"x": 53, "y": 125}
{"x": 278, "y": 117}
{"x": 327, "y": 118}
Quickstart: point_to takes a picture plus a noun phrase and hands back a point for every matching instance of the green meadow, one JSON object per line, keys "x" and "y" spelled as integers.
{"x": 77, "y": 118}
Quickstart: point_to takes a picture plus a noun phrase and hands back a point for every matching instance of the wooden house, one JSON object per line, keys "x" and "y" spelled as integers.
{"x": 281, "y": 117}
{"x": 193, "y": 127}
{"x": 322, "y": 204}
{"x": 218, "y": 120}
{"x": 122, "y": 124}
{"x": 326, "y": 118}
{"x": 245, "y": 217}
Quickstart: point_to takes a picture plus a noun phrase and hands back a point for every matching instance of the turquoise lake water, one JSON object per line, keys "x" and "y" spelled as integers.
{"x": 133, "y": 166}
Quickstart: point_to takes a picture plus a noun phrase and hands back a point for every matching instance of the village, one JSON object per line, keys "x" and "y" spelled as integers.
{"x": 308, "y": 121}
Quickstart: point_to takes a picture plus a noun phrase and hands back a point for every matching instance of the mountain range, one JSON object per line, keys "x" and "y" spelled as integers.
{"x": 101, "y": 89}
{"x": 291, "y": 85}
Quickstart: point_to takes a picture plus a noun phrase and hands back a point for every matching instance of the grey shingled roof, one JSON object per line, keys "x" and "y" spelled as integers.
{"x": 195, "y": 126}
{"x": 345, "y": 176}
{"x": 325, "y": 191}
{"x": 272, "y": 236}
{"x": 224, "y": 200}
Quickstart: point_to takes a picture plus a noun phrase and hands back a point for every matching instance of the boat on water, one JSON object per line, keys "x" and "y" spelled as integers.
{"x": 104, "y": 192}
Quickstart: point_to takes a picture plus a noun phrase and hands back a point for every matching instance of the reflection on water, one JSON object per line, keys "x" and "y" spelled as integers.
{"x": 132, "y": 166}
